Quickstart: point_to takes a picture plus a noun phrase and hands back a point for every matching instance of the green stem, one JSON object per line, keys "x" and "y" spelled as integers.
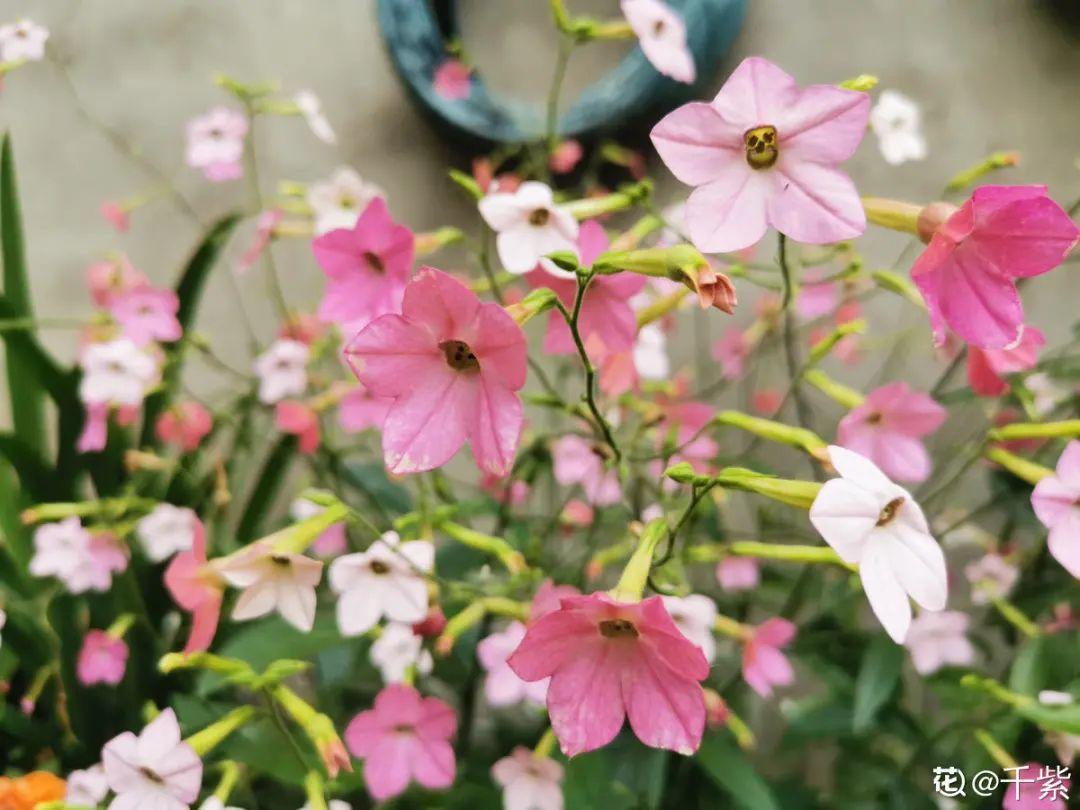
{"x": 551, "y": 133}
{"x": 791, "y": 354}
{"x": 273, "y": 283}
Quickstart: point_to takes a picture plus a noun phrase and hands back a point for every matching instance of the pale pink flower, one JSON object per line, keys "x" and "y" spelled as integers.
{"x": 102, "y": 659}
{"x": 332, "y": 542}
{"x": 184, "y": 425}
{"x": 338, "y": 201}
{"x": 1056, "y": 501}
{"x": 548, "y": 598}
{"x": 282, "y": 370}
{"x": 300, "y": 420}
{"x": 580, "y": 461}
{"x": 888, "y": 428}
{"x": 113, "y": 276}
{"x": 566, "y": 157}
{"x": 264, "y": 235}
{"x": 738, "y": 573}
{"x": 83, "y": 562}
{"x": 502, "y": 686}
{"x": 215, "y": 143}
{"x": 87, "y": 788}
{"x": 116, "y": 215}
{"x": 816, "y": 298}
{"x": 453, "y": 366}
{"x": 766, "y": 401}
{"x": 576, "y": 514}
{"x": 968, "y": 272}
{"x": 359, "y": 410}
{"x": 695, "y": 616}
{"x": 273, "y": 581}
{"x": 398, "y": 650}
{"x": 311, "y": 110}
{"x": 529, "y": 226}
{"x": 156, "y": 769}
{"x": 765, "y": 152}
{"x": 386, "y": 580}
{"x": 529, "y": 782}
{"x": 1026, "y": 788}
{"x": 95, "y": 432}
{"x": 116, "y": 373}
{"x": 452, "y": 80}
{"x": 661, "y": 33}
{"x": 147, "y": 314}
{"x": 684, "y": 428}
{"x": 731, "y": 352}
{"x": 608, "y": 660}
{"x": 23, "y": 41}
{"x": 875, "y": 524}
{"x": 991, "y": 576}
{"x": 198, "y": 589}
{"x": 936, "y": 640}
{"x": 763, "y": 665}
{"x": 986, "y": 368}
{"x": 166, "y": 531}
{"x": 404, "y": 738}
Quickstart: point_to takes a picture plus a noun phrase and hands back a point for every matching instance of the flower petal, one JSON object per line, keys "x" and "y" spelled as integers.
{"x": 814, "y": 204}
{"x": 887, "y": 598}
{"x": 697, "y": 144}
{"x": 825, "y": 125}
{"x": 664, "y": 711}
{"x": 585, "y": 699}
{"x": 729, "y": 212}
{"x": 425, "y": 428}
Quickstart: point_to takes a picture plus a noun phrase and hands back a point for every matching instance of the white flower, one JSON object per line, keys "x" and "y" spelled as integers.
{"x": 214, "y": 803}
{"x": 311, "y": 108}
{"x": 897, "y": 122}
{"x": 22, "y": 40}
{"x": 502, "y": 686}
{"x": 386, "y": 580}
{"x": 695, "y": 616}
{"x": 155, "y": 769}
{"x": 650, "y": 353}
{"x": 991, "y": 577}
{"x": 166, "y": 531}
{"x": 69, "y": 552}
{"x": 396, "y": 650}
{"x": 1051, "y": 697}
{"x": 661, "y": 33}
{"x": 939, "y": 639}
{"x": 529, "y": 226}
{"x": 87, "y": 788}
{"x": 873, "y": 523}
{"x": 282, "y": 370}
{"x": 116, "y": 373}
{"x": 529, "y": 782}
{"x": 338, "y": 202}
{"x": 1046, "y": 393}
{"x": 272, "y": 581}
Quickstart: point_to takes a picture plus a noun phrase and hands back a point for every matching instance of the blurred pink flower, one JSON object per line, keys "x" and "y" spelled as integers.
{"x": 738, "y": 573}
{"x": 113, "y": 276}
{"x": 731, "y": 352}
{"x": 888, "y": 427}
{"x": 332, "y": 542}
{"x": 102, "y": 659}
{"x": 529, "y": 226}
{"x": 359, "y": 410}
{"x": 765, "y": 152}
{"x": 95, "y": 432}
{"x": 766, "y": 401}
{"x": 215, "y": 143}
{"x": 968, "y": 272}
{"x": 83, "y": 562}
{"x": 661, "y": 33}
{"x": 548, "y": 598}
{"x": 566, "y": 156}
{"x": 576, "y": 514}
{"x": 1056, "y": 501}
{"x": 147, "y": 314}
{"x": 1025, "y": 788}
{"x": 300, "y": 420}
{"x": 453, "y": 366}
{"x": 452, "y": 80}
{"x": 272, "y": 581}
{"x": 116, "y": 215}
{"x": 502, "y": 686}
{"x": 763, "y": 665}
{"x": 991, "y": 576}
{"x": 987, "y": 367}
{"x": 196, "y": 588}
{"x": 155, "y": 769}
{"x": 816, "y": 298}
{"x": 404, "y": 738}
{"x": 184, "y": 425}
{"x": 609, "y": 659}
{"x": 529, "y": 782}
{"x": 514, "y": 492}
{"x": 940, "y": 639}
{"x": 580, "y": 461}
{"x": 264, "y": 234}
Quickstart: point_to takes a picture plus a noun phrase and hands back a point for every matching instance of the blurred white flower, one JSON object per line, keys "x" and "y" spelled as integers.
{"x": 22, "y": 40}
{"x": 897, "y": 122}
{"x": 694, "y": 615}
{"x": 167, "y": 530}
{"x": 116, "y": 373}
{"x": 991, "y": 576}
{"x": 939, "y": 639}
{"x": 396, "y": 650}
{"x": 311, "y": 108}
{"x": 1046, "y": 393}
{"x": 650, "y": 353}
{"x": 282, "y": 370}
{"x": 88, "y": 787}
{"x": 338, "y": 201}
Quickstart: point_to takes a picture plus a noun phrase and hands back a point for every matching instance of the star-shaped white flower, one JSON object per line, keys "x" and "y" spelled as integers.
{"x": 273, "y": 581}
{"x": 396, "y": 650}
{"x": 282, "y": 370}
{"x": 529, "y": 226}
{"x": 167, "y": 530}
{"x": 155, "y": 769}
{"x": 897, "y": 122}
{"x": 116, "y": 373}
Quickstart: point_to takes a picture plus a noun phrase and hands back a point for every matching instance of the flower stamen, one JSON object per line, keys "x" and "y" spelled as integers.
{"x": 889, "y": 511}
{"x": 459, "y": 356}
{"x": 761, "y": 146}
{"x": 618, "y": 628}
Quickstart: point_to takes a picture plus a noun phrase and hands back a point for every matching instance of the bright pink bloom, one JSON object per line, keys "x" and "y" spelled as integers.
{"x": 1056, "y": 501}
{"x": 502, "y": 686}
{"x": 184, "y": 425}
{"x": 887, "y": 428}
{"x": 147, "y": 314}
{"x": 1024, "y": 789}
{"x": 264, "y": 233}
{"x": 566, "y": 156}
{"x": 765, "y": 152}
{"x": 111, "y": 277}
{"x": 548, "y": 598}
{"x": 580, "y": 461}
{"x": 299, "y": 420}
{"x": 763, "y": 665}
{"x": 738, "y": 573}
{"x": 453, "y": 366}
{"x": 608, "y": 660}
{"x": 452, "y": 80}
{"x": 196, "y": 589}
{"x": 968, "y": 272}
{"x": 116, "y": 215}
{"x": 215, "y": 143}
{"x": 987, "y": 367}
{"x": 359, "y": 410}
{"x": 102, "y": 659}
{"x": 661, "y": 33}
{"x": 403, "y": 738}
{"x": 731, "y": 351}
{"x": 366, "y": 268}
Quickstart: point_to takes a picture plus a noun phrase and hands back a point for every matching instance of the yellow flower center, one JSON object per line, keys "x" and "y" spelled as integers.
{"x": 761, "y": 147}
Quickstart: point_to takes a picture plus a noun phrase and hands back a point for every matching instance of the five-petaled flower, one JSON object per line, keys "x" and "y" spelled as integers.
{"x": 155, "y": 769}
{"x": 661, "y": 32}
{"x": 529, "y": 226}
{"x": 1056, "y": 501}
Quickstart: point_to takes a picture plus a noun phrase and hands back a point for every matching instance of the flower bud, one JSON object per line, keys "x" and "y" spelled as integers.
{"x": 932, "y": 217}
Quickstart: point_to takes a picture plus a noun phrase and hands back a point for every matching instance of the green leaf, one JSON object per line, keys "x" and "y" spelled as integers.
{"x": 1052, "y": 718}
{"x": 35, "y": 478}
{"x": 624, "y": 775}
{"x": 879, "y": 673}
{"x": 732, "y": 772}
{"x": 266, "y": 489}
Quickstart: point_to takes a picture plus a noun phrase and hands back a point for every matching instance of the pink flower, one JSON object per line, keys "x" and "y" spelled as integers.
{"x": 502, "y": 686}
{"x": 576, "y": 514}
{"x": 579, "y": 461}
{"x": 300, "y": 420}
{"x": 155, "y": 769}
{"x": 607, "y": 321}
{"x": 683, "y": 429}
{"x": 215, "y": 143}
{"x": 566, "y": 156}
{"x": 529, "y": 782}
{"x": 102, "y": 659}
{"x": 146, "y": 314}
{"x": 332, "y": 542}
{"x": 548, "y": 598}
{"x": 503, "y": 490}
{"x": 766, "y": 401}
{"x": 403, "y": 738}
{"x": 738, "y": 573}
{"x": 264, "y": 234}
{"x": 111, "y": 277}
{"x": 196, "y": 588}
{"x": 453, "y": 366}
{"x": 184, "y": 425}
{"x": 991, "y": 576}
{"x": 967, "y": 274}
{"x": 452, "y": 80}
{"x": 366, "y": 268}
{"x": 939, "y": 639}
{"x": 731, "y": 352}
{"x": 887, "y": 428}
{"x": 765, "y": 152}
{"x": 661, "y": 33}
{"x": 83, "y": 562}
{"x": 359, "y": 410}
{"x": 95, "y": 432}
{"x": 816, "y": 298}
{"x": 1025, "y": 788}
{"x": 763, "y": 665}
{"x": 987, "y": 367}
{"x": 1056, "y": 501}
{"x": 608, "y": 660}
{"x": 116, "y": 215}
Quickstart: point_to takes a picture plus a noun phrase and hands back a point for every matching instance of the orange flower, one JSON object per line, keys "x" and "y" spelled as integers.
{"x": 27, "y": 792}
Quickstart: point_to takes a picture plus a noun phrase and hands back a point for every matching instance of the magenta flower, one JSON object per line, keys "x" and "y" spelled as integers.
{"x": 763, "y": 665}
{"x": 765, "y": 152}
{"x": 661, "y": 33}
{"x": 403, "y": 738}
{"x": 1026, "y": 788}
{"x": 359, "y": 410}
{"x": 986, "y": 368}
{"x": 184, "y": 425}
{"x": 566, "y": 156}
{"x": 102, "y": 659}
{"x": 608, "y": 660}
{"x": 366, "y": 267}
{"x": 146, "y": 314}
{"x": 453, "y": 366}
{"x": 113, "y": 276}
{"x": 887, "y": 428}
{"x": 502, "y": 686}
{"x": 607, "y": 321}
{"x": 1056, "y": 501}
{"x": 196, "y": 588}
{"x": 580, "y": 461}
{"x": 452, "y": 80}
{"x": 968, "y": 273}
